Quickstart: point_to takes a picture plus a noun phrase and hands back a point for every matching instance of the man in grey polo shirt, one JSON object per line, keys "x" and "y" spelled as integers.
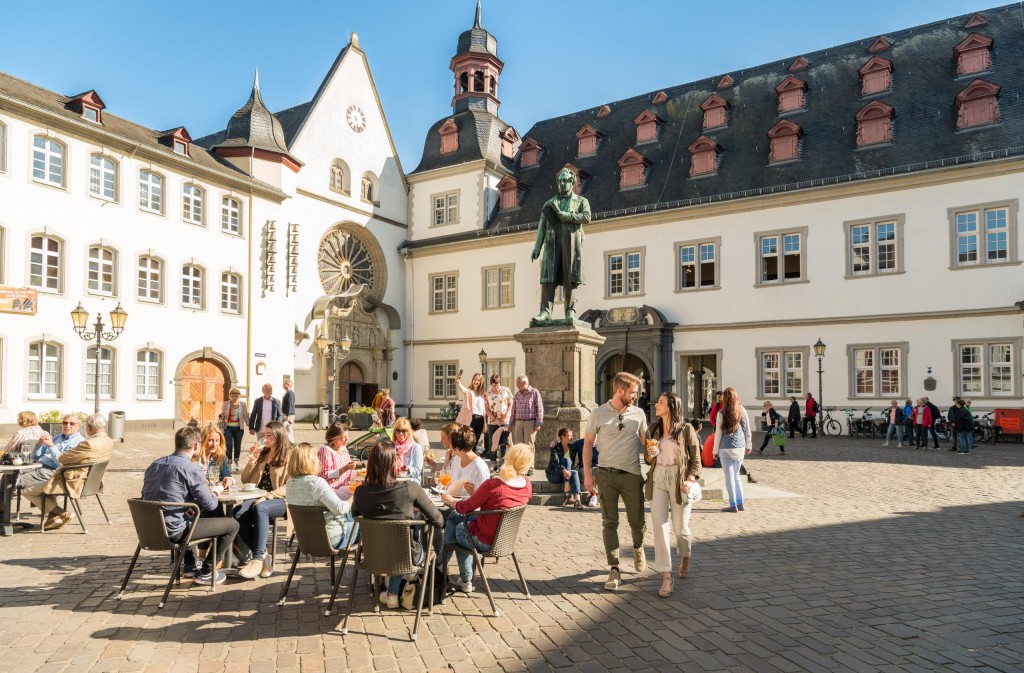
{"x": 620, "y": 429}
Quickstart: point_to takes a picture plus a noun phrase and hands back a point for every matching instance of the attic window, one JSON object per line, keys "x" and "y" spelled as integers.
{"x": 449, "y": 137}
{"x": 799, "y": 64}
{"x": 588, "y": 137}
{"x": 634, "y": 170}
{"x": 880, "y": 44}
{"x": 509, "y": 189}
{"x": 725, "y": 83}
{"x": 975, "y": 21}
{"x": 785, "y": 142}
{"x": 647, "y": 126}
{"x": 973, "y": 55}
{"x": 704, "y": 156}
{"x": 509, "y": 139}
{"x": 659, "y": 98}
{"x": 91, "y": 114}
{"x": 716, "y": 113}
{"x": 529, "y": 153}
{"x": 791, "y": 94}
{"x": 874, "y": 124}
{"x": 603, "y": 111}
{"x": 977, "y": 105}
{"x": 875, "y": 76}
{"x": 180, "y": 147}
{"x": 89, "y": 105}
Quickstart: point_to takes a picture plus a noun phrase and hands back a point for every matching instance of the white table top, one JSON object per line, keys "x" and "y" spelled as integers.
{"x": 238, "y": 495}
{"x": 19, "y": 468}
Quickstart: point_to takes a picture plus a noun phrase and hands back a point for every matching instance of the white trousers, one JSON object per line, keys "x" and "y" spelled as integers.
{"x": 669, "y": 518}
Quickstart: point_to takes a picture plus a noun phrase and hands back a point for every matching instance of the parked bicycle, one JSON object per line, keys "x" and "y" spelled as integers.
{"x": 451, "y": 411}
{"x": 864, "y": 426}
{"x": 828, "y": 425}
{"x": 335, "y": 413}
{"x": 985, "y": 430}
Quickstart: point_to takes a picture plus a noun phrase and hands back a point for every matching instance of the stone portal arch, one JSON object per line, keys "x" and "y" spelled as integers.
{"x": 201, "y": 383}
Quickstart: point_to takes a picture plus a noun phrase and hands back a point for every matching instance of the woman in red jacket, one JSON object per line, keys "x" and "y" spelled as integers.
{"x": 509, "y": 489}
{"x": 922, "y": 421}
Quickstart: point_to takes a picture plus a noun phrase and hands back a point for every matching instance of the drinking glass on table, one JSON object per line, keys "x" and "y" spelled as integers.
{"x": 444, "y": 479}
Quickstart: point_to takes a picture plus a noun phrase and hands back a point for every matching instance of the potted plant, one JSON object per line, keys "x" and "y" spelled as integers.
{"x": 50, "y": 421}
{"x": 361, "y": 418}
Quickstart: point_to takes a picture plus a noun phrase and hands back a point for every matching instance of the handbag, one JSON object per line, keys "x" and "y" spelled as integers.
{"x": 778, "y": 437}
{"x": 696, "y": 493}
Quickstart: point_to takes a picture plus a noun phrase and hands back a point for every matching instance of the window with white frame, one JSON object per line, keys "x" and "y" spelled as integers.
{"x": 984, "y": 234}
{"x": 877, "y": 370}
{"x": 698, "y": 264}
{"x": 48, "y": 161}
{"x": 446, "y": 208}
{"x": 625, "y": 273}
{"x": 102, "y": 275}
{"x": 106, "y": 379}
{"x": 103, "y": 177}
{"x": 780, "y": 257}
{"x": 192, "y": 204}
{"x": 498, "y": 287}
{"x": 45, "y": 265}
{"x": 192, "y": 286}
{"x": 147, "y": 375}
{"x": 151, "y": 191}
{"x": 782, "y": 371}
{"x": 231, "y": 216}
{"x": 442, "y": 379}
{"x": 444, "y": 291}
{"x": 874, "y": 247}
{"x": 503, "y": 368}
{"x": 150, "y": 279}
{"x": 988, "y": 368}
{"x": 44, "y": 369}
{"x": 230, "y": 292}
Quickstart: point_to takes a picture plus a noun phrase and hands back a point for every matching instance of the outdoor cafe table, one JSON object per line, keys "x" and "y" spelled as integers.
{"x": 232, "y": 499}
{"x": 9, "y": 475}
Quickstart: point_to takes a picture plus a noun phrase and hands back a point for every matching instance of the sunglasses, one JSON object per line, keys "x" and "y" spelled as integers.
{"x": 401, "y": 432}
{"x": 620, "y": 421}
{"x": 68, "y": 423}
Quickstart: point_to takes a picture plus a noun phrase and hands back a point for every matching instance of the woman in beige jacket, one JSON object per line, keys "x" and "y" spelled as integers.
{"x": 674, "y": 455}
{"x": 268, "y": 469}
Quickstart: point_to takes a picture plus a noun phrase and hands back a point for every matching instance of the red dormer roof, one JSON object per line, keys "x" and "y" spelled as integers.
{"x": 874, "y": 64}
{"x": 632, "y": 157}
{"x": 588, "y": 131}
{"x": 975, "y": 21}
{"x": 875, "y": 110}
{"x": 791, "y": 83}
{"x": 659, "y": 98}
{"x": 972, "y": 42}
{"x": 880, "y": 44}
{"x": 703, "y": 144}
{"x": 785, "y": 128}
{"x": 799, "y": 64}
{"x": 714, "y": 101}
{"x": 979, "y": 88}
{"x": 648, "y": 116}
{"x": 603, "y": 111}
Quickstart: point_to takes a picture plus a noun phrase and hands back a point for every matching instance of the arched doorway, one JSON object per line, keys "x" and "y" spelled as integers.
{"x": 623, "y": 362}
{"x": 203, "y": 390}
{"x": 350, "y": 385}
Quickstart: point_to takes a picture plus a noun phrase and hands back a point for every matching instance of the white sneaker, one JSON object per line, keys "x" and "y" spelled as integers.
{"x": 593, "y": 501}
{"x": 886, "y": 444}
{"x": 465, "y": 586}
{"x": 899, "y": 446}
{"x": 251, "y": 569}
{"x": 639, "y": 559}
{"x": 389, "y": 600}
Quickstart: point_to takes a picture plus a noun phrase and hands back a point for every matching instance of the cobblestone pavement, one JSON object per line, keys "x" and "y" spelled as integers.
{"x": 885, "y": 560}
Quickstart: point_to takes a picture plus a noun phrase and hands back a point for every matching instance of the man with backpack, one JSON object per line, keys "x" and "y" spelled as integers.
{"x": 811, "y": 409}
{"x": 936, "y": 415}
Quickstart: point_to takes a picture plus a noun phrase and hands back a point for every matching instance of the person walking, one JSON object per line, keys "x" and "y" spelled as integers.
{"x": 922, "y": 421}
{"x": 894, "y": 424}
{"x": 674, "y": 456}
{"x": 732, "y": 442}
{"x": 793, "y": 418}
{"x": 620, "y": 429}
{"x": 265, "y": 409}
{"x": 963, "y": 426}
{"x": 235, "y": 419}
{"x": 288, "y": 409}
{"x": 527, "y": 413}
{"x": 908, "y": 422}
{"x": 936, "y": 414}
{"x": 386, "y": 413}
{"x": 811, "y": 408}
{"x": 773, "y": 426}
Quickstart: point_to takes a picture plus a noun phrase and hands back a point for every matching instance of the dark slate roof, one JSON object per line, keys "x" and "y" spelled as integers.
{"x": 130, "y": 131}
{"x": 292, "y": 118}
{"x": 925, "y": 85}
{"x": 476, "y": 39}
{"x": 479, "y": 138}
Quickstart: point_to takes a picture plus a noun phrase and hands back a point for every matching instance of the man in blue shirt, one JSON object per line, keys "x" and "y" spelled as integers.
{"x": 47, "y": 451}
{"x": 175, "y": 478}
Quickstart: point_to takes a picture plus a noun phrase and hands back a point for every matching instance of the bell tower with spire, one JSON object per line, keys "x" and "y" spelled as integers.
{"x": 476, "y": 67}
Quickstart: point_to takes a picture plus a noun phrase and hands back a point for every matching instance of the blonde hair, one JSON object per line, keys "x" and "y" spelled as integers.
{"x": 219, "y": 457}
{"x": 518, "y": 462}
{"x": 26, "y": 419}
{"x": 234, "y": 391}
{"x": 303, "y": 460}
{"x": 623, "y": 380}
{"x": 402, "y": 424}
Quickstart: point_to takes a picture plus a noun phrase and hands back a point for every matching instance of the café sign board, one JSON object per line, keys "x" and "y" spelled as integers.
{"x": 18, "y": 300}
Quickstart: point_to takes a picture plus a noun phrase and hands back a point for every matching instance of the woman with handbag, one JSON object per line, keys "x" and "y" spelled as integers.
{"x": 673, "y": 451}
{"x": 775, "y": 432}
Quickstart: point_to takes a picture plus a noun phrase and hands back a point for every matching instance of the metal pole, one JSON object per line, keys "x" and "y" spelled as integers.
{"x": 96, "y": 374}
{"x": 821, "y": 400}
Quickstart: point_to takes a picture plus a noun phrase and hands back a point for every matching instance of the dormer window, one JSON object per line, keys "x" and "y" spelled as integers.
{"x": 647, "y": 126}
{"x": 449, "y": 137}
{"x": 91, "y": 114}
{"x": 177, "y": 139}
{"x": 529, "y": 153}
{"x": 509, "y": 189}
{"x": 800, "y": 63}
{"x": 180, "y": 147}
{"x": 875, "y": 76}
{"x": 634, "y": 170}
{"x": 785, "y": 142}
{"x": 716, "y": 112}
{"x": 791, "y": 94}
{"x": 977, "y": 105}
{"x": 588, "y": 139}
{"x": 704, "y": 154}
{"x": 603, "y": 111}
{"x": 659, "y": 98}
{"x": 874, "y": 124}
{"x": 509, "y": 141}
{"x": 725, "y": 83}
{"x": 973, "y": 55}
{"x": 89, "y": 105}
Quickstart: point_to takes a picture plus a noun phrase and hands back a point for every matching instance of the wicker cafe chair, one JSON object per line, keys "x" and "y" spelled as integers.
{"x": 148, "y": 517}
{"x": 311, "y": 533}
{"x": 504, "y": 545}
{"x": 94, "y": 473}
{"x": 385, "y": 548}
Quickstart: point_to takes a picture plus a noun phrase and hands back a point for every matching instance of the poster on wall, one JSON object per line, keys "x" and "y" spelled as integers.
{"x": 18, "y": 300}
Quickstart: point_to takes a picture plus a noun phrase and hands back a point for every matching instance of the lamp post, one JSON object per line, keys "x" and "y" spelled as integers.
{"x": 80, "y": 321}
{"x": 819, "y": 352}
{"x": 483, "y": 364}
{"x": 331, "y": 350}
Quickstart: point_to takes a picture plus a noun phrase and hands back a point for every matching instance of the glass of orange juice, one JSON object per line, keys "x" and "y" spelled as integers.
{"x": 444, "y": 479}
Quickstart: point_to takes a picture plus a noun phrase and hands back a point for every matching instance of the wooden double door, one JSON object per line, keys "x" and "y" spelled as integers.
{"x": 203, "y": 391}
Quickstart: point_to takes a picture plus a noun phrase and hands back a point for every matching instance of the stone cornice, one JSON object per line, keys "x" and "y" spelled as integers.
{"x": 353, "y": 209}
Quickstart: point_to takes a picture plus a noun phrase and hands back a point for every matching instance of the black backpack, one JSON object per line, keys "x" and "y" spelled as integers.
{"x": 817, "y": 407}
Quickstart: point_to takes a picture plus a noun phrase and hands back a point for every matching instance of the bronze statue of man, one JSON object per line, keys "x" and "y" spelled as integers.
{"x": 560, "y": 236}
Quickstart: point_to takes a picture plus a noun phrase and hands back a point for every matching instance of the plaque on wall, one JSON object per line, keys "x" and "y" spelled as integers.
{"x": 623, "y": 314}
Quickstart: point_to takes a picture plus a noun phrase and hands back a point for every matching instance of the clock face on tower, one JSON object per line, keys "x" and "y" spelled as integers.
{"x": 355, "y": 118}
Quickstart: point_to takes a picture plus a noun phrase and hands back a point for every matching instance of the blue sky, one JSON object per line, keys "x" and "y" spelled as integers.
{"x": 191, "y": 62}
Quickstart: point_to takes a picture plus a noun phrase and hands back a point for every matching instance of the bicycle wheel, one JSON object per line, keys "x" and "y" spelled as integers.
{"x": 832, "y": 428}
{"x": 316, "y": 420}
{"x": 943, "y": 433}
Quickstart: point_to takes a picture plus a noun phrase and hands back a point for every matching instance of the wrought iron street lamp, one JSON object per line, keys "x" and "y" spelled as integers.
{"x": 80, "y": 321}
{"x": 332, "y": 350}
{"x": 483, "y": 364}
{"x": 819, "y": 352}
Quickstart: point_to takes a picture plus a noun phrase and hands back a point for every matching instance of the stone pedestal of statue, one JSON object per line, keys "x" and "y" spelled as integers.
{"x": 560, "y": 362}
